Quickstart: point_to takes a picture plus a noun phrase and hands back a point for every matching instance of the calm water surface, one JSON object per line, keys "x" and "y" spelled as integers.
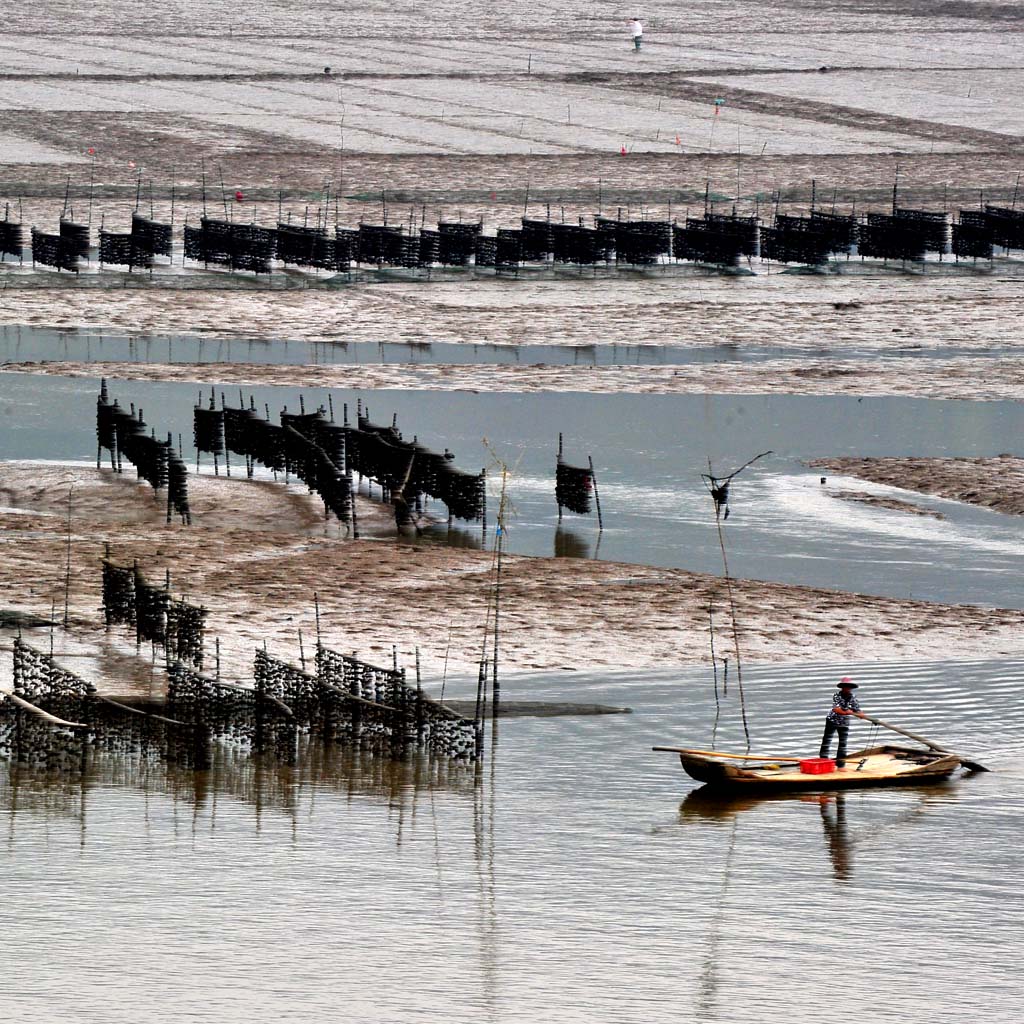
{"x": 580, "y": 877}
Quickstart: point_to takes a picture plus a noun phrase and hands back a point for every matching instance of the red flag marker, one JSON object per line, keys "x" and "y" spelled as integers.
{"x": 623, "y": 151}
{"x": 239, "y": 197}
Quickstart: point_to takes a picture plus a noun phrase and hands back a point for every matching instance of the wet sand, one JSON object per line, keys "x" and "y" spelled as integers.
{"x": 258, "y": 552}
{"x": 973, "y": 379}
{"x": 872, "y": 309}
{"x": 995, "y": 483}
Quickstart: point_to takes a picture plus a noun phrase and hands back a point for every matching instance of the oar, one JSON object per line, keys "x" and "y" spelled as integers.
{"x": 973, "y": 766}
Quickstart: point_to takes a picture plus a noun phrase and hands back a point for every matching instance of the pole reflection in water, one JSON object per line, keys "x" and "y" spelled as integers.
{"x": 570, "y": 544}
{"x": 260, "y": 783}
{"x": 452, "y": 536}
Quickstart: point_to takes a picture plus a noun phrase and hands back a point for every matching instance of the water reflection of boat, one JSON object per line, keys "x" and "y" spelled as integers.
{"x": 875, "y": 766}
{"x": 707, "y": 803}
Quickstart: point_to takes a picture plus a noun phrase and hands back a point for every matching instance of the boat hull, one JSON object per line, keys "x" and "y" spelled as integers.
{"x": 879, "y": 766}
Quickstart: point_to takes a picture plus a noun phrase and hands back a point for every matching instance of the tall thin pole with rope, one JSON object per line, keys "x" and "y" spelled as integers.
{"x": 492, "y": 616}
{"x": 718, "y": 488}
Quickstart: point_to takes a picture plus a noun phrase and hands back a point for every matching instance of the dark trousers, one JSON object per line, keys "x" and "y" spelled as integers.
{"x": 636, "y": 41}
{"x": 826, "y": 741}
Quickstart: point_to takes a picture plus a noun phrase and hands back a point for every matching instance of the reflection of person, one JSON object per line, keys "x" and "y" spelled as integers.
{"x": 836, "y": 834}
{"x": 844, "y": 707}
{"x": 638, "y": 32}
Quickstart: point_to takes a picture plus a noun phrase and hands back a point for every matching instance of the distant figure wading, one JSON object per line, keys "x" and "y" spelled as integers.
{"x": 638, "y": 32}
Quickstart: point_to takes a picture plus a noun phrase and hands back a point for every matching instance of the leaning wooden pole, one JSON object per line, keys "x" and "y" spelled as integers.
{"x": 974, "y": 766}
{"x": 735, "y": 627}
{"x": 499, "y": 545}
{"x": 67, "y": 567}
{"x": 597, "y": 496}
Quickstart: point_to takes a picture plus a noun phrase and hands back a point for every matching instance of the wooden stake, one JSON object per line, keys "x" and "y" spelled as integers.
{"x": 67, "y": 570}
{"x": 597, "y": 497}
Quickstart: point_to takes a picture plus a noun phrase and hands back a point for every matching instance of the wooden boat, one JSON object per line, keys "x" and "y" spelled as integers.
{"x": 874, "y": 766}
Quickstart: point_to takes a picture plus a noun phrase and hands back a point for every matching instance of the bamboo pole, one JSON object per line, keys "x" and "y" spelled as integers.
{"x": 22, "y": 703}
{"x": 597, "y": 496}
{"x": 136, "y": 711}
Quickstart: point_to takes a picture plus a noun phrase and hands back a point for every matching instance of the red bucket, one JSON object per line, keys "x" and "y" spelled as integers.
{"x": 817, "y": 766}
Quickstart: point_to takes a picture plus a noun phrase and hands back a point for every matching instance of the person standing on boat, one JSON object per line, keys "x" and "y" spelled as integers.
{"x": 844, "y": 707}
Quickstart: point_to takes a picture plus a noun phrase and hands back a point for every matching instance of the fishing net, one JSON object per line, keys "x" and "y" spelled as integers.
{"x": 486, "y": 252}
{"x": 932, "y": 227}
{"x": 508, "y": 249}
{"x": 53, "y": 251}
{"x": 638, "y": 242}
{"x": 1007, "y": 226}
{"x": 124, "y": 434}
{"x": 12, "y": 238}
{"x": 122, "y": 250}
{"x": 571, "y": 243}
{"x": 151, "y": 237}
{"x": 293, "y": 447}
{"x": 346, "y": 247}
{"x": 973, "y": 239}
{"x": 410, "y": 258}
{"x": 704, "y": 241}
{"x": 151, "y": 604}
{"x": 225, "y": 243}
{"x": 208, "y": 430}
{"x": 128, "y": 599}
{"x": 839, "y": 230}
{"x": 380, "y": 244}
{"x": 743, "y": 229}
{"x": 76, "y": 238}
{"x": 892, "y": 238}
{"x": 457, "y": 243}
{"x": 406, "y": 471}
{"x": 795, "y": 240}
{"x": 430, "y": 247}
{"x": 534, "y": 241}
{"x": 118, "y": 594}
{"x": 177, "y": 487}
{"x": 574, "y": 487}
{"x": 368, "y": 704}
{"x": 307, "y": 247}
{"x": 185, "y": 625}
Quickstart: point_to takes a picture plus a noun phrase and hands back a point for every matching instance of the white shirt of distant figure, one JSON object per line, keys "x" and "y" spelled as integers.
{"x": 638, "y": 32}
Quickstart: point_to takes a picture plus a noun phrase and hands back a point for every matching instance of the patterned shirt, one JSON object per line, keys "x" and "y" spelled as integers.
{"x": 847, "y": 703}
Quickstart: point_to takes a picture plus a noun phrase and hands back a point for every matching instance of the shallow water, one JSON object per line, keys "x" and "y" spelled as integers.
{"x": 649, "y": 452}
{"x": 579, "y": 878}
{"x": 45, "y": 344}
